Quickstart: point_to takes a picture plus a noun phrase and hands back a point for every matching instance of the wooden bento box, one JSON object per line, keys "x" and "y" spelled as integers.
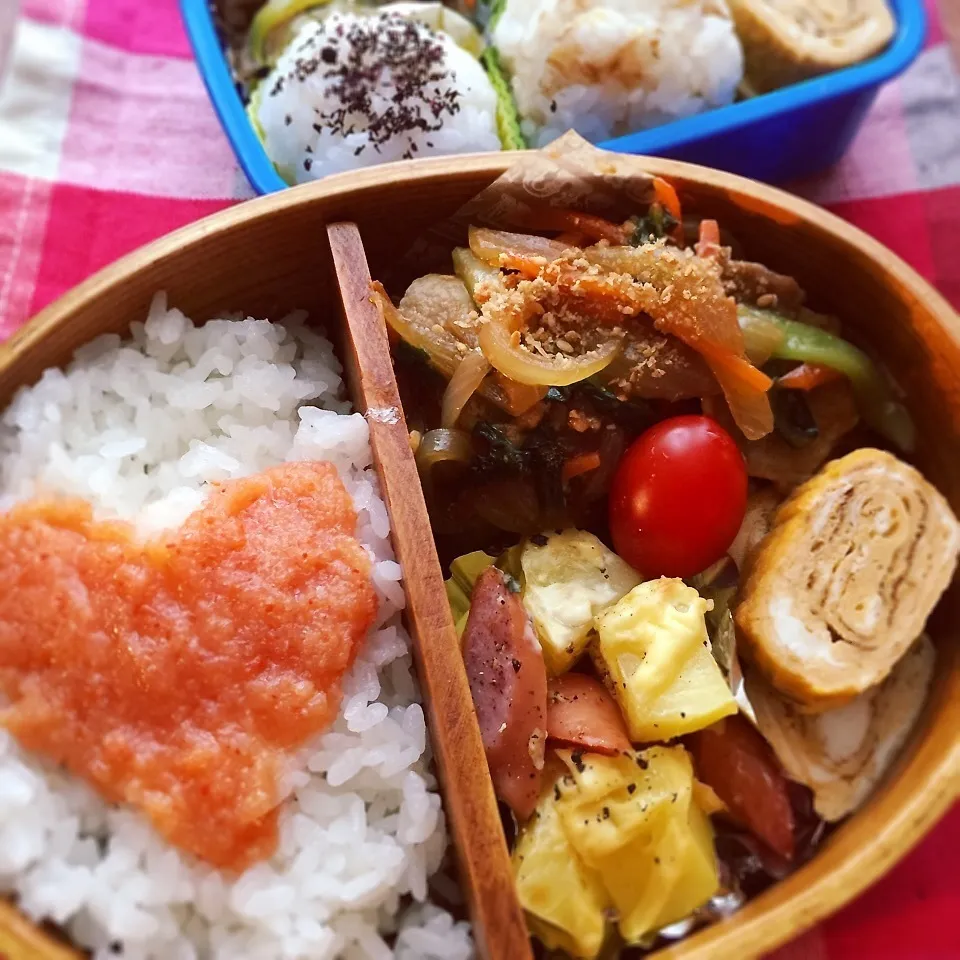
{"x": 273, "y": 254}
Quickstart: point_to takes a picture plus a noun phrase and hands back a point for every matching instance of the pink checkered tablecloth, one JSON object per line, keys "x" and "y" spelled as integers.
{"x": 107, "y": 141}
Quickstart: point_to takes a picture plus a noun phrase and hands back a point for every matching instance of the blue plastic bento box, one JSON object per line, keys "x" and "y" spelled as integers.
{"x": 780, "y": 136}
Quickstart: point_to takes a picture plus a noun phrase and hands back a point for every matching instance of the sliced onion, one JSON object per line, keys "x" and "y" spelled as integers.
{"x": 462, "y": 386}
{"x": 474, "y": 273}
{"x": 487, "y": 245}
{"x": 441, "y": 445}
{"x": 513, "y": 361}
{"x": 761, "y": 337}
{"x": 445, "y": 357}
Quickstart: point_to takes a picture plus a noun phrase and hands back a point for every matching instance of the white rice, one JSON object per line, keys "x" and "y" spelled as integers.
{"x": 139, "y": 427}
{"x": 610, "y": 67}
{"x": 312, "y": 129}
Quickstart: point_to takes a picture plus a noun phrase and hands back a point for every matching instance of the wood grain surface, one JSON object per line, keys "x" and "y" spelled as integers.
{"x": 270, "y": 255}
{"x": 470, "y": 804}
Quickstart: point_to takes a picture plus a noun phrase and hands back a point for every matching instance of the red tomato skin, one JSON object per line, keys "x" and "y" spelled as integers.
{"x": 735, "y": 760}
{"x": 678, "y": 497}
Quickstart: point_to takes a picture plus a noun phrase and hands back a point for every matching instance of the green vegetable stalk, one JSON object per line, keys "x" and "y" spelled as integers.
{"x": 806, "y": 344}
{"x": 464, "y": 572}
{"x": 508, "y": 117}
{"x": 463, "y": 575}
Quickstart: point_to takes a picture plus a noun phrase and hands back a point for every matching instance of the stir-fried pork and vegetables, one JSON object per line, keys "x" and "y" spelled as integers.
{"x": 689, "y": 570}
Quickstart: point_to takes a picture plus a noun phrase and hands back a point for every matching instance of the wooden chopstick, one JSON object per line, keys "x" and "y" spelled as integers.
{"x": 470, "y": 805}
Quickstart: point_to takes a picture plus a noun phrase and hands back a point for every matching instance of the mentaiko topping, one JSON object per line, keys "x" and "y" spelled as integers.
{"x": 178, "y": 675}
{"x": 844, "y": 584}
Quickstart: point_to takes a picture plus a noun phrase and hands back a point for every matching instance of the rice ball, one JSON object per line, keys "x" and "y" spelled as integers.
{"x": 353, "y": 91}
{"x": 610, "y": 67}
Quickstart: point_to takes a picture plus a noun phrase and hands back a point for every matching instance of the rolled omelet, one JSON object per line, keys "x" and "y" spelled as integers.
{"x": 785, "y": 41}
{"x": 842, "y": 754}
{"x": 844, "y": 583}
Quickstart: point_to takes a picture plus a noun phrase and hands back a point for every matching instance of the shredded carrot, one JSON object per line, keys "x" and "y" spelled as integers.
{"x": 665, "y": 194}
{"x": 738, "y": 367}
{"x": 808, "y": 376}
{"x": 594, "y": 228}
{"x": 597, "y": 228}
{"x": 527, "y": 266}
{"x": 583, "y": 463}
{"x": 610, "y": 298}
{"x": 709, "y": 243}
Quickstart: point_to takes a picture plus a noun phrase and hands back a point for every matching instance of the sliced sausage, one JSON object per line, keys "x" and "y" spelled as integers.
{"x": 508, "y": 682}
{"x": 735, "y": 760}
{"x": 581, "y": 713}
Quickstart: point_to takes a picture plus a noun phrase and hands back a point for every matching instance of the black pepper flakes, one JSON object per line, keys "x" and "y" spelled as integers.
{"x": 576, "y": 758}
{"x": 538, "y": 539}
{"x": 631, "y": 788}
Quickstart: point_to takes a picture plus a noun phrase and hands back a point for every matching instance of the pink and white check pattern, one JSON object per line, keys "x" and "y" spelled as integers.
{"x": 107, "y": 141}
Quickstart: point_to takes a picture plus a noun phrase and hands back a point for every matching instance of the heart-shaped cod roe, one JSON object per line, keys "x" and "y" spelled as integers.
{"x": 179, "y": 675}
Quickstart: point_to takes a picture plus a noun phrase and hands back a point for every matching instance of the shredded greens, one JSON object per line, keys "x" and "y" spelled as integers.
{"x": 540, "y": 457}
{"x": 633, "y": 415}
{"x": 657, "y": 223}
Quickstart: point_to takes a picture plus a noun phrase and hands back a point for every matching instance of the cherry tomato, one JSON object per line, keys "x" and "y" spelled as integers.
{"x": 733, "y": 759}
{"x": 678, "y": 497}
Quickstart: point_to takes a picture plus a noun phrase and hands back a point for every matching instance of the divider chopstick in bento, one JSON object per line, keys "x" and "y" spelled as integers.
{"x": 499, "y": 927}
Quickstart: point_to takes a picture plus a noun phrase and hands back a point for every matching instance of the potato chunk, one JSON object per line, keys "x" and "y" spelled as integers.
{"x": 566, "y": 582}
{"x": 654, "y": 653}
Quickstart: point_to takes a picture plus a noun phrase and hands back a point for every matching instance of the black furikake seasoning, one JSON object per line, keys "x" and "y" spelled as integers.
{"x": 388, "y": 73}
